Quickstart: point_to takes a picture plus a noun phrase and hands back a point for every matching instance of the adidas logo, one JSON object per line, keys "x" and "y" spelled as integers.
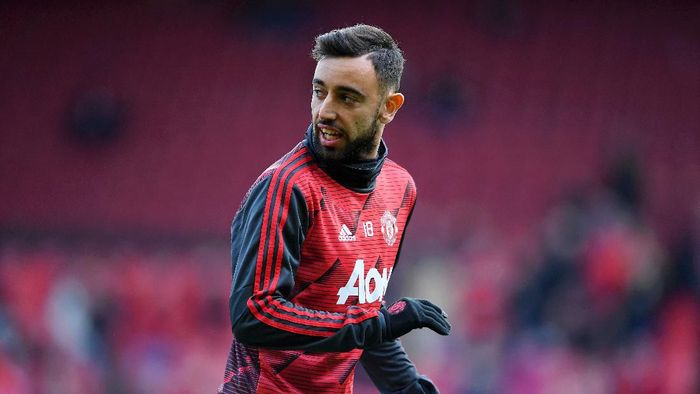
{"x": 346, "y": 235}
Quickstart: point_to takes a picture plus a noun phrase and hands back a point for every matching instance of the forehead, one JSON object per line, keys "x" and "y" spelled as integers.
{"x": 355, "y": 72}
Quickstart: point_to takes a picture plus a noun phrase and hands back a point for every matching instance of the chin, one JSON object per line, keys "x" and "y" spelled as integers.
{"x": 330, "y": 154}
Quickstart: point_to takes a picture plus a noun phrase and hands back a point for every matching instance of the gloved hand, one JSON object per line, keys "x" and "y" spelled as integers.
{"x": 408, "y": 314}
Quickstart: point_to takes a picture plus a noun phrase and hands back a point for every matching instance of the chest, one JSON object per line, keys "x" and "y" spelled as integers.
{"x": 352, "y": 245}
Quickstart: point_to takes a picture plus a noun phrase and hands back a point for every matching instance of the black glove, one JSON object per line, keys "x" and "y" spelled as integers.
{"x": 407, "y": 314}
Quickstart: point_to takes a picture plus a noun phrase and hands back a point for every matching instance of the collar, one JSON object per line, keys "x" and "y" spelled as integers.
{"x": 359, "y": 176}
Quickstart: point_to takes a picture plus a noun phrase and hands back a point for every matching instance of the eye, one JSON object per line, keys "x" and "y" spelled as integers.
{"x": 348, "y": 99}
{"x": 317, "y": 92}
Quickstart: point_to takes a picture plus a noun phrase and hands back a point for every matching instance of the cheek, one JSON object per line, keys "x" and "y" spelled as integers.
{"x": 315, "y": 106}
{"x": 364, "y": 121}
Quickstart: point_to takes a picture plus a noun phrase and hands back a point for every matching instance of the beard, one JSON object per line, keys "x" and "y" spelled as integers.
{"x": 355, "y": 150}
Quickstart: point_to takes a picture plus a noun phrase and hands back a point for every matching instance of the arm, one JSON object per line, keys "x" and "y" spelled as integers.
{"x": 392, "y": 372}
{"x": 267, "y": 235}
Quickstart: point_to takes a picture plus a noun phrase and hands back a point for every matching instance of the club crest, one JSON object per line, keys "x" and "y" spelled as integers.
{"x": 389, "y": 228}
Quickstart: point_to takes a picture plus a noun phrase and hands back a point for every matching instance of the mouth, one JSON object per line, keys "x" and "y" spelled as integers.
{"x": 329, "y": 134}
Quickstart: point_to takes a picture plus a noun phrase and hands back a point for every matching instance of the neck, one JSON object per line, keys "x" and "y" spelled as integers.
{"x": 358, "y": 175}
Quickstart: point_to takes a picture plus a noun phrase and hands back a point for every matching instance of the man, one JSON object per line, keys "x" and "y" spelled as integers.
{"x": 317, "y": 237}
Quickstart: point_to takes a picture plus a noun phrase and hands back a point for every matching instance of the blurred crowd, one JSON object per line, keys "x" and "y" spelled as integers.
{"x": 111, "y": 318}
{"x": 594, "y": 304}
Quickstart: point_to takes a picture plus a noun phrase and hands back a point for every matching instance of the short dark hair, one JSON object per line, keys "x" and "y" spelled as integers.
{"x": 360, "y": 40}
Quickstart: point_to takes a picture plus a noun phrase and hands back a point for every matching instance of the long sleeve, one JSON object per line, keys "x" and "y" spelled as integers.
{"x": 388, "y": 366}
{"x": 267, "y": 236}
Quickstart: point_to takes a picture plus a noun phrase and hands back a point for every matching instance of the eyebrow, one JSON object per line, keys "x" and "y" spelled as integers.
{"x": 346, "y": 89}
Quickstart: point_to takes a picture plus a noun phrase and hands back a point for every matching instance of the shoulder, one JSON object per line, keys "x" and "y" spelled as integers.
{"x": 395, "y": 172}
{"x": 294, "y": 162}
{"x": 280, "y": 175}
{"x": 290, "y": 170}
{"x": 396, "y": 181}
{"x": 394, "y": 166}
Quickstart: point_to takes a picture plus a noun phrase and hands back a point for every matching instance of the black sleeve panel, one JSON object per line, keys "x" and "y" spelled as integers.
{"x": 392, "y": 372}
{"x": 266, "y": 238}
{"x": 408, "y": 220}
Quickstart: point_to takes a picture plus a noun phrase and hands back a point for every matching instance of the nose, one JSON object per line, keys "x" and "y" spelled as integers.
{"x": 327, "y": 109}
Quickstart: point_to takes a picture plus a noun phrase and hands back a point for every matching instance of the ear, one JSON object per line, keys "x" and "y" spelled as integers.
{"x": 392, "y": 103}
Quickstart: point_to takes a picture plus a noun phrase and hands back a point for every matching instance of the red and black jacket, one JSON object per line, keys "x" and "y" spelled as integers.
{"x": 313, "y": 247}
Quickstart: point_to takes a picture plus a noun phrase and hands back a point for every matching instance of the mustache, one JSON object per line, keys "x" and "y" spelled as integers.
{"x": 329, "y": 123}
